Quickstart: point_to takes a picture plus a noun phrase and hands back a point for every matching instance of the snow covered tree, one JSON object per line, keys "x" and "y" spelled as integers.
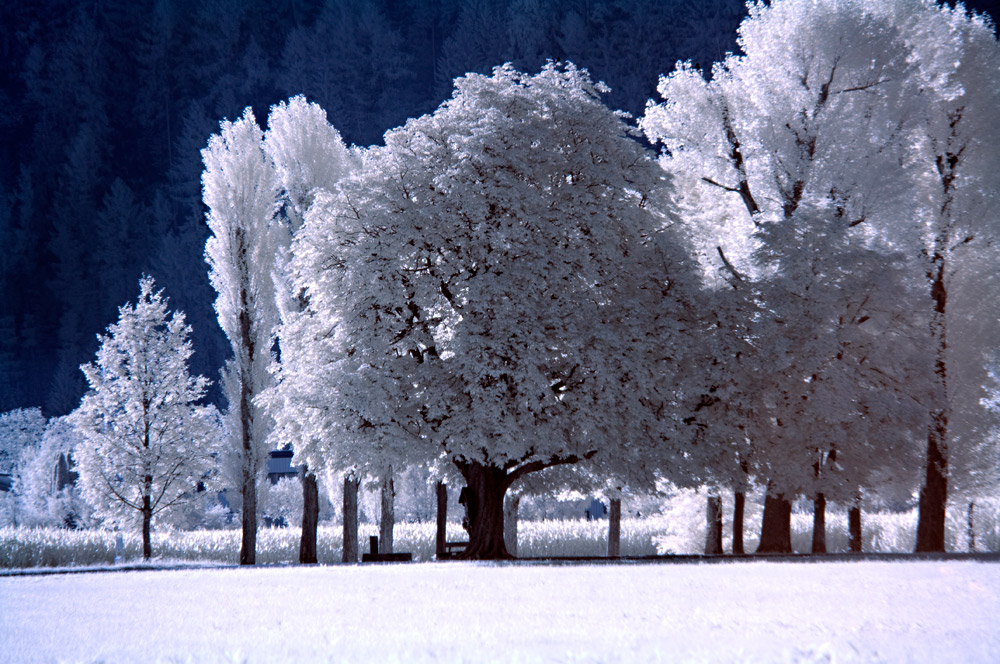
{"x": 801, "y": 139}
{"x": 957, "y": 148}
{"x": 145, "y": 443}
{"x": 310, "y": 157}
{"x": 21, "y": 433}
{"x": 48, "y": 481}
{"x": 241, "y": 189}
{"x": 495, "y": 290}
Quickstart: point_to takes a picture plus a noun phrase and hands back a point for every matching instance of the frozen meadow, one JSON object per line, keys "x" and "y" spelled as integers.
{"x": 737, "y": 612}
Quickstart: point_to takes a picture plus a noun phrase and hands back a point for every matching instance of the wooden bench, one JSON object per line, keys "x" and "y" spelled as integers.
{"x": 451, "y": 549}
{"x": 373, "y": 556}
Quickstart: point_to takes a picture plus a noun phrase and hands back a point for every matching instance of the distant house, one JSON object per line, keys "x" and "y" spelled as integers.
{"x": 6, "y": 481}
{"x": 279, "y": 464}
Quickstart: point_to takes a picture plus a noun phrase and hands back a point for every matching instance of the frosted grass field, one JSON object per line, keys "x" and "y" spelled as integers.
{"x": 680, "y": 529}
{"x": 455, "y": 612}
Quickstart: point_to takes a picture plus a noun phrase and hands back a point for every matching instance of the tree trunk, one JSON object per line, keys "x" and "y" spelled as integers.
{"x": 739, "y": 504}
{"x": 350, "y": 519}
{"x": 248, "y": 545}
{"x": 776, "y": 525}
{"x": 486, "y": 487}
{"x": 388, "y": 517}
{"x": 854, "y": 526}
{"x": 933, "y": 495}
{"x": 970, "y": 526}
{"x": 615, "y": 528}
{"x": 310, "y": 518}
{"x": 510, "y": 524}
{"x": 442, "y": 519}
{"x": 713, "y": 521}
{"x": 147, "y": 519}
{"x": 819, "y": 524}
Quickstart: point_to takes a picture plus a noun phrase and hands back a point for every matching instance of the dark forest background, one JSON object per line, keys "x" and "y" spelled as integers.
{"x": 105, "y": 105}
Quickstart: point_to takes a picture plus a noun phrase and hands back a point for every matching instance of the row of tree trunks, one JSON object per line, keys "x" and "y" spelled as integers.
{"x": 310, "y": 518}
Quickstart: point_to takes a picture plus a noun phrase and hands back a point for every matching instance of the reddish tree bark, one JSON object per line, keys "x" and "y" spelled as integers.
{"x": 854, "y": 527}
{"x": 310, "y": 518}
{"x": 776, "y": 525}
{"x": 486, "y": 487}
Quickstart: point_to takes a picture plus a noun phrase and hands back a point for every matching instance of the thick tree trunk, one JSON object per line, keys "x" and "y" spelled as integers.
{"x": 819, "y": 524}
{"x": 713, "y": 522}
{"x": 442, "y": 519}
{"x": 739, "y": 505}
{"x": 147, "y": 520}
{"x": 388, "y": 517}
{"x": 310, "y": 518}
{"x": 510, "y": 524}
{"x": 615, "y": 528}
{"x": 933, "y": 495}
{"x": 854, "y": 527}
{"x": 486, "y": 487}
{"x": 970, "y": 526}
{"x": 776, "y": 525}
{"x": 350, "y": 519}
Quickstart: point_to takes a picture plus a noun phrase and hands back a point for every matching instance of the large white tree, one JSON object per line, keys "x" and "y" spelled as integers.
{"x": 801, "y": 144}
{"x": 146, "y": 444}
{"x": 241, "y": 188}
{"x": 496, "y": 289}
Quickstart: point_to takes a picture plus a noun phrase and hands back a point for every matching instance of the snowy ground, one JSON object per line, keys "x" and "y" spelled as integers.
{"x": 452, "y": 612}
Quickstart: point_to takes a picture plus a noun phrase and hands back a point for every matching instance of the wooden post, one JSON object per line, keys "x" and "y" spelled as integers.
{"x": 373, "y": 545}
{"x": 442, "y": 518}
{"x": 713, "y": 518}
{"x": 388, "y": 515}
{"x": 615, "y": 528}
{"x": 350, "y": 519}
{"x": 510, "y": 524}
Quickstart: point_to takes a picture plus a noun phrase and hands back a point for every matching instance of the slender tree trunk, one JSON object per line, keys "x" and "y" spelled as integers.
{"x": 713, "y": 519}
{"x": 511, "y": 506}
{"x": 854, "y": 526}
{"x": 147, "y": 520}
{"x": 776, "y": 525}
{"x": 615, "y": 528}
{"x": 388, "y": 517}
{"x": 350, "y": 519}
{"x": 486, "y": 486}
{"x": 739, "y": 504}
{"x": 310, "y": 518}
{"x": 933, "y": 496}
{"x": 819, "y": 524}
{"x": 970, "y": 526}
{"x": 442, "y": 519}
{"x": 248, "y": 545}
{"x": 934, "y": 493}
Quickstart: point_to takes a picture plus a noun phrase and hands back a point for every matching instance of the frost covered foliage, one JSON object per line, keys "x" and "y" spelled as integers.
{"x": 20, "y": 437}
{"x": 492, "y": 290}
{"x": 51, "y": 496}
{"x": 145, "y": 446}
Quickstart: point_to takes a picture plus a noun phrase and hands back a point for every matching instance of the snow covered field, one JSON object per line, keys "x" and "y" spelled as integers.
{"x": 750, "y": 612}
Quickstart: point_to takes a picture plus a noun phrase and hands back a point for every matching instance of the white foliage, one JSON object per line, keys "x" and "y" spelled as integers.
{"x": 50, "y": 494}
{"x": 142, "y": 436}
{"x": 240, "y": 188}
{"x": 500, "y": 283}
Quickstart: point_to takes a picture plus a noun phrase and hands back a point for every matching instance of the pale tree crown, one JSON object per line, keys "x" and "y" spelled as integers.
{"x": 142, "y": 432}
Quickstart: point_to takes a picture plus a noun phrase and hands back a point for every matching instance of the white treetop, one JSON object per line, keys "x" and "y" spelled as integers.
{"x": 145, "y": 444}
{"x": 495, "y": 286}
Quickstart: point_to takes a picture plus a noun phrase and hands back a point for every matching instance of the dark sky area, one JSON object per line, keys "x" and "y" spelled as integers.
{"x": 105, "y": 105}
